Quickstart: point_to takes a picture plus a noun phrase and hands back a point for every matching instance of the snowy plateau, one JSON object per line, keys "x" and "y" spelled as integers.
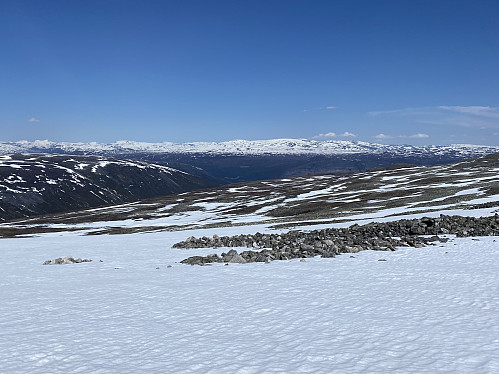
{"x": 136, "y": 309}
{"x": 239, "y": 147}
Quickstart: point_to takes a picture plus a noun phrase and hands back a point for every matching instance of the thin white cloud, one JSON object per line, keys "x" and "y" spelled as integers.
{"x": 471, "y": 116}
{"x": 383, "y": 136}
{"x": 327, "y": 135}
{"x": 383, "y": 112}
{"x": 476, "y": 110}
{"x": 33, "y": 119}
{"x": 399, "y": 112}
{"x": 419, "y": 136}
{"x": 328, "y": 107}
{"x": 346, "y": 134}
{"x": 414, "y": 136}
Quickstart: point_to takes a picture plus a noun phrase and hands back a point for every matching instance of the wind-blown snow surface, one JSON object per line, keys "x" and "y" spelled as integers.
{"x": 426, "y": 310}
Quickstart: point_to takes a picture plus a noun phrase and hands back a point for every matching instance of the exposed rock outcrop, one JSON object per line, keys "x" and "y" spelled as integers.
{"x": 331, "y": 242}
{"x": 66, "y": 260}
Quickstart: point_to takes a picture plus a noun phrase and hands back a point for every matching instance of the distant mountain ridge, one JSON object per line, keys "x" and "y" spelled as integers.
{"x": 250, "y": 160}
{"x": 244, "y": 148}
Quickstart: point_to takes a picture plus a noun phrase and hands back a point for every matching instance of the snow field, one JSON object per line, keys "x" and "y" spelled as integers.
{"x": 427, "y": 310}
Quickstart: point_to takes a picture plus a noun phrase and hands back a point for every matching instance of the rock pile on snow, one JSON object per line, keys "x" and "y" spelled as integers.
{"x": 331, "y": 242}
{"x": 66, "y": 260}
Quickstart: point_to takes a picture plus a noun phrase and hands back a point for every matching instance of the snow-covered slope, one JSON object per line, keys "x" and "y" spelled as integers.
{"x": 37, "y": 184}
{"x": 417, "y": 310}
{"x": 300, "y": 201}
{"x": 243, "y": 147}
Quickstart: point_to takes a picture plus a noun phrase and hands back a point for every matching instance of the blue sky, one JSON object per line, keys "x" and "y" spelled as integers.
{"x": 414, "y": 72}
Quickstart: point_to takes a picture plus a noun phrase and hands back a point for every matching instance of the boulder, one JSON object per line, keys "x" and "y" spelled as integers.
{"x": 66, "y": 260}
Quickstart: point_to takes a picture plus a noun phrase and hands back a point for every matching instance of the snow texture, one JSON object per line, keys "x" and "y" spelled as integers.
{"x": 426, "y": 310}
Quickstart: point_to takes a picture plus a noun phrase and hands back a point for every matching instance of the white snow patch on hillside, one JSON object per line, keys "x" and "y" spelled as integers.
{"x": 483, "y": 200}
{"x": 471, "y": 191}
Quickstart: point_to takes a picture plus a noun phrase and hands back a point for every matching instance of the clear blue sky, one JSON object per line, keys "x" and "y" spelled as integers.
{"x": 415, "y": 72}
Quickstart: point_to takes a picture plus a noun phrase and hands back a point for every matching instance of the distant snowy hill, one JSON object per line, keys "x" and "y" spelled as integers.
{"x": 37, "y": 184}
{"x": 244, "y": 160}
{"x": 244, "y": 147}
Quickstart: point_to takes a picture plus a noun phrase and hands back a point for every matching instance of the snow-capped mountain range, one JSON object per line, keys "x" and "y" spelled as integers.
{"x": 244, "y": 147}
{"x": 250, "y": 160}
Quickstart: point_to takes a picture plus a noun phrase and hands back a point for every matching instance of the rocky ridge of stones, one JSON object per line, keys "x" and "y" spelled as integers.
{"x": 66, "y": 260}
{"x": 331, "y": 242}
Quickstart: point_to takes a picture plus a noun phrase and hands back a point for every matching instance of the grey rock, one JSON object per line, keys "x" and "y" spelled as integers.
{"x": 331, "y": 242}
{"x": 65, "y": 261}
{"x": 261, "y": 258}
{"x": 237, "y": 259}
